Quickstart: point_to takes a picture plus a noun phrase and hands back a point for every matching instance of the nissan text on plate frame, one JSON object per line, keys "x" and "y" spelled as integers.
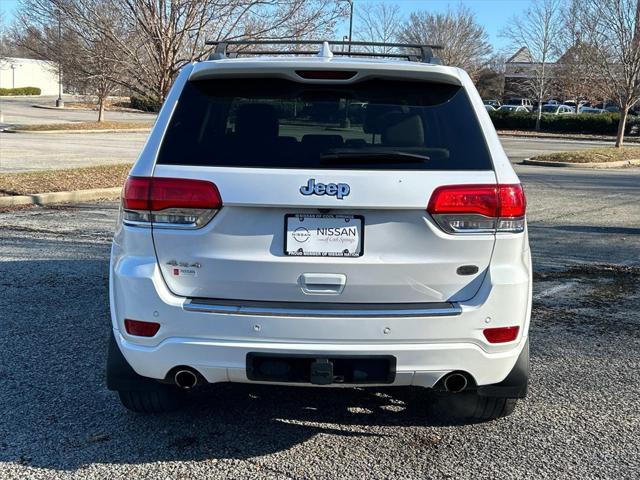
{"x": 322, "y": 221}
{"x": 318, "y": 235}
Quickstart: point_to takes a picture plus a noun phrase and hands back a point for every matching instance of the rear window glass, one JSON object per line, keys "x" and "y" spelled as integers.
{"x": 375, "y": 124}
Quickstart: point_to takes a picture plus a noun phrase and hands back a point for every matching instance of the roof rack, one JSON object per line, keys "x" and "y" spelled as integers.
{"x": 422, "y": 53}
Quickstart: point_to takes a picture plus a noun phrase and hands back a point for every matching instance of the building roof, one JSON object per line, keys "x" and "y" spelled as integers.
{"x": 523, "y": 55}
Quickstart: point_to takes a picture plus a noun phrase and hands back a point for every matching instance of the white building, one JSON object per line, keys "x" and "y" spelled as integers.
{"x": 27, "y": 72}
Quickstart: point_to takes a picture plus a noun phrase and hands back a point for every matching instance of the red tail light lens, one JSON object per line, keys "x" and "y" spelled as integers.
{"x": 140, "y": 328}
{"x": 512, "y": 201}
{"x": 501, "y": 334}
{"x": 169, "y": 202}
{"x": 480, "y": 199}
{"x": 136, "y": 193}
{"x": 478, "y": 208}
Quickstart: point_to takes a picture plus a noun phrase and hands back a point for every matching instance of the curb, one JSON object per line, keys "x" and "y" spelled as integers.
{"x": 569, "y": 136}
{"x": 543, "y": 163}
{"x": 48, "y": 107}
{"x": 73, "y": 109}
{"x": 106, "y": 130}
{"x": 61, "y": 197}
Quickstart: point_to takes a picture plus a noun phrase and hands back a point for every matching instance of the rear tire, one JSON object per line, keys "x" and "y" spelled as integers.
{"x": 161, "y": 400}
{"x": 469, "y": 407}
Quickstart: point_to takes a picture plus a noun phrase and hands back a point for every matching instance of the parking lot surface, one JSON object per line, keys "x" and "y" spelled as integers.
{"x": 20, "y": 152}
{"x": 581, "y": 419}
{"x": 21, "y": 111}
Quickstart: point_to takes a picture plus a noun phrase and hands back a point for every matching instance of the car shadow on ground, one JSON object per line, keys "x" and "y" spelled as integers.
{"x": 57, "y": 413}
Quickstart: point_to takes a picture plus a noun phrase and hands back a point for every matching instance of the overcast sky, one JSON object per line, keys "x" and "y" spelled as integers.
{"x": 492, "y": 14}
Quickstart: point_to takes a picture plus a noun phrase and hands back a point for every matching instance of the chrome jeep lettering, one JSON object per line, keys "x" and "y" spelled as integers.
{"x": 338, "y": 190}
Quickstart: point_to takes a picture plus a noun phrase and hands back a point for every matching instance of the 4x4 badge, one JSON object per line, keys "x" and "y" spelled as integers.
{"x": 338, "y": 190}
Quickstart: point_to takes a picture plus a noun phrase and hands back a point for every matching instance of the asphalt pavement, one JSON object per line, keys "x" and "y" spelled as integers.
{"x": 37, "y": 151}
{"x": 21, "y": 152}
{"x": 581, "y": 419}
{"x": 24, "y": 111}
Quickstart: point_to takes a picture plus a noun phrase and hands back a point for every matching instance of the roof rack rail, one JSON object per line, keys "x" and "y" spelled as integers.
{"x": 422, "y": 53}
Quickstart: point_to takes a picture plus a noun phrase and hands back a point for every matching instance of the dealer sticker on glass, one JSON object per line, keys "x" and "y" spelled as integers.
{"x": 317, "y": 235}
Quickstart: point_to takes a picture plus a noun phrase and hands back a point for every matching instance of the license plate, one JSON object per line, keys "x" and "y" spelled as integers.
{"x": 317, "y": 235}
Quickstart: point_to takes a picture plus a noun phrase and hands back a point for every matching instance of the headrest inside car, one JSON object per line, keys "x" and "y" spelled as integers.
{"x": 403, "y": 130}
{"x": 257, "y": 121}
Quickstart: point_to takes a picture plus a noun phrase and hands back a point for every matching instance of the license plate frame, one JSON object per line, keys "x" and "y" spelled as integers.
{"x": 330, "y": 254}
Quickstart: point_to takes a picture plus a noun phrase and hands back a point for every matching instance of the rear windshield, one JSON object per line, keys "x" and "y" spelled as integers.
{"x": 375, "y": 124}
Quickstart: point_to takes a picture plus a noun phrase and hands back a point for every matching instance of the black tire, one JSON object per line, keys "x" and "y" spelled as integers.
{"x": 469, "y": 407}
{"x": 161, "y": 400}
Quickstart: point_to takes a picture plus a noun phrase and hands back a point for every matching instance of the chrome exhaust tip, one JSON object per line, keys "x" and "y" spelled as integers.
{"x": 185, "y": 379}
{"x": 455, "y": 382}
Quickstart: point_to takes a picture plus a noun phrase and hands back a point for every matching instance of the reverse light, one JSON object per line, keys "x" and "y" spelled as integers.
{"x": 501, "y": 334}
{"x": 478, "y": 208}
{"x": 169, "y": 202}
{"x": 140, "y": 328}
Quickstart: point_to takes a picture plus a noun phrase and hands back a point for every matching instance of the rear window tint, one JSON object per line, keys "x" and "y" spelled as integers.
{"x": 275, "y": 123}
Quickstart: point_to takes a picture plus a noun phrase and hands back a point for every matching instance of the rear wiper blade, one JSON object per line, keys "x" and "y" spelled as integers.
{"x": 378, "y": 157}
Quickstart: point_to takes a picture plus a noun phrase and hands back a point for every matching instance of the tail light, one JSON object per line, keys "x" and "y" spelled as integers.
{"x": 501, "y": 334}
{"x": 140, "y": 328}
{"x": 478, "y": 208}
{"x": 169, "y": 202}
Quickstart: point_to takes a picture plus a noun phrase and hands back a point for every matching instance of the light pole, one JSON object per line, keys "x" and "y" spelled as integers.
{"x": 346, "y": 121}
{"x": 59, "y": 101}
{"x": 13, "y": 74}
{"x": 350, "y": 22}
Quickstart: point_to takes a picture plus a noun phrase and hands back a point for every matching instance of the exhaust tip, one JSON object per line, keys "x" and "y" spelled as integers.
{"x": 185, "y": 379}
{"x": 455, "y": 382}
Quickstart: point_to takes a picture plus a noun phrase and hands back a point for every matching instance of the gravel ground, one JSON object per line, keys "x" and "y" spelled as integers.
{"x": 581, "y": 419}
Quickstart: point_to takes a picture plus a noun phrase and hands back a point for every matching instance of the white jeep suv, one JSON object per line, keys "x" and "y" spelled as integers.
{"x": 322, "y": 221}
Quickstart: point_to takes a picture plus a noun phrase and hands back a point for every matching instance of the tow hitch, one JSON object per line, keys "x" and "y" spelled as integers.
{"x": 322, "y": 372}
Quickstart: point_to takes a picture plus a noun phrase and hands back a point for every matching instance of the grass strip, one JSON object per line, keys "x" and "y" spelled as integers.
{"x": 595, "y": 155}
{"x": 84, "y": 126}
{"x": 85, "y": 178}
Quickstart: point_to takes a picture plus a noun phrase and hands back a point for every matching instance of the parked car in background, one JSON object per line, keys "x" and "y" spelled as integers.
{"x": 525, "y": 102}
{"x": 575, "y": 106}
{"x": 612, "y": 109}
{"x": 490, "y": 108}
{"x": 514, "y": 109}
{"x": 493, "y": 103}
{"x": 592, "y": 110}
{"x": 557, "y": 109}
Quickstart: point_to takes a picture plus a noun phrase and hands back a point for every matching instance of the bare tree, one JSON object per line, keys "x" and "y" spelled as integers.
{"x": 161, "y": 36}
{"x": 378, "y": 22}
{"x": 538, "y": 30}
{"x": 465, "y": 42}
{"x": 87, "y": 59}
{"x": 574, "y": 76}
{"x": 612, "y": 28}
{"x": 3, "y": 36}
{"x": 490, "y": 79}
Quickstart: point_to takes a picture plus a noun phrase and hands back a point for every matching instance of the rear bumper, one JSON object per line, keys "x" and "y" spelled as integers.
{"x": 225, "y": 361}
{"x": 426, "y": 347}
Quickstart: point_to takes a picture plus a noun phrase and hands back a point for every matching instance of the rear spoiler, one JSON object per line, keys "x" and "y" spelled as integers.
{"x": 286, "y": 68}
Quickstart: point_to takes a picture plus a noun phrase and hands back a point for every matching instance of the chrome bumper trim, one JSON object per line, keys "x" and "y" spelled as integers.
{"x": 293, "y": 309}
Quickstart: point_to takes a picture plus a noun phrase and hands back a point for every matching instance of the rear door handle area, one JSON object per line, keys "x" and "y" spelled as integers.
{"x": 322, "y": 283}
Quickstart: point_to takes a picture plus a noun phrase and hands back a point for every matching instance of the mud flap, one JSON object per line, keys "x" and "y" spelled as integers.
{"x": 516, "y": 383}
{"x": 120, "y": 375}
